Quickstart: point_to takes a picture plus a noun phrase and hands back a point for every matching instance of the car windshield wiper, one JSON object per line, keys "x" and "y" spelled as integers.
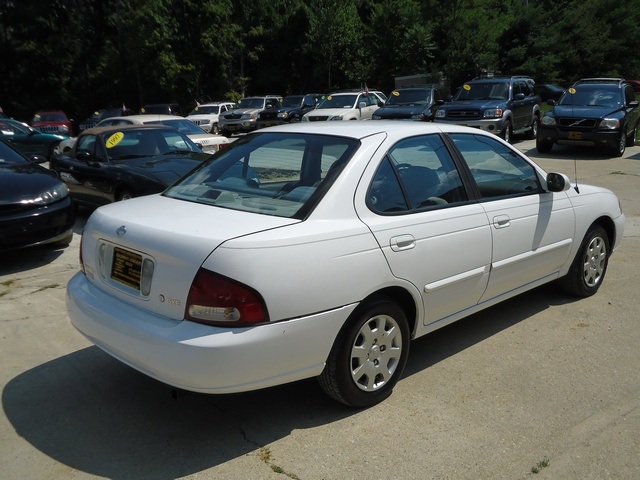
{"x": 128, "y": 157}
{"x": 177, "y": 152}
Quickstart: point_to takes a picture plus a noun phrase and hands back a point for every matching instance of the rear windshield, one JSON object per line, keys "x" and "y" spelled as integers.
{"x": 275, "y": 174}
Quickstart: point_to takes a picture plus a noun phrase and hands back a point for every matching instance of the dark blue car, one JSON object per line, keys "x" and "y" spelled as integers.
{"x": 415, "y": 103}
{"x": 600, "y": 112}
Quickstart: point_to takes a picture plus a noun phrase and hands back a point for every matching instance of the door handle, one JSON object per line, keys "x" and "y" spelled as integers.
{"x": 402, "y": 242}
{"x": 501, "y": 221}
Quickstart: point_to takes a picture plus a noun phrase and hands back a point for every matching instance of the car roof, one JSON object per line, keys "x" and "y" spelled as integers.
{"x": 147, "y": 117}
{"x": 359, "y": 130}
{"x": 116, "y": 128}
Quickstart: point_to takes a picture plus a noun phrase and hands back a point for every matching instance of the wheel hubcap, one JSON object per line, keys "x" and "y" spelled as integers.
{"x": 594, "y": 262}
{"x": 376, "y": 353}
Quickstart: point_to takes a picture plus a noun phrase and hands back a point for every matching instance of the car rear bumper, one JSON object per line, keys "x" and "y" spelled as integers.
{"x": 202, "y": 358}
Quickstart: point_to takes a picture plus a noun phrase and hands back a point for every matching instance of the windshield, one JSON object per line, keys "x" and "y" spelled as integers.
{"x": 338, "y": 101}
{"x": 8, "y": 127}
{"x": 8, "y": 156}
{"x": 135, "y": 143}
{"x": 251, "y": 103}
{"x": 206, "y": 109}
{"x": 292, "y": 101}
{"x": 484, "y": 91}
{"x": 592, "y": 95}
{"x": 279, "y": 174}
{"x": 410, "y": 97}
{"x": 49, "y": 117}
{"x": 182, "y": 125}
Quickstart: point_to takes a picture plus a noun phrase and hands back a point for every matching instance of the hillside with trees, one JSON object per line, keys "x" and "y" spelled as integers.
{"x": 80, "y": 55}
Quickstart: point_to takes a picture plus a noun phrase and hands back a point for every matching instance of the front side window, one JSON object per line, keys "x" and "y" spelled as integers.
{"x": 497, "y": 170}
{"x": 270, "y": 173}
{"x": 416, "y": 173}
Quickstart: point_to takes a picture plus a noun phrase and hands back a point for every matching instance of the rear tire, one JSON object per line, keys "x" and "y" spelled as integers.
{"x": 214, "y": 129}
{"x": 590, "y": 265}
{"x": 507, "y": 133}
{"x": 533, "y": 132}
{"x": 369, "y": 354}
{"x": 631, "y": 140}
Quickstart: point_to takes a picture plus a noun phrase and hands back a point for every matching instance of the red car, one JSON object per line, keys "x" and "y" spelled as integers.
{"x": 52, "y": 121}
{"x": 635, "y": 84}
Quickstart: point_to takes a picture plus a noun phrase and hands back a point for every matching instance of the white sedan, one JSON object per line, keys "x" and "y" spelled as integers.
{"x": 321, "y": 250}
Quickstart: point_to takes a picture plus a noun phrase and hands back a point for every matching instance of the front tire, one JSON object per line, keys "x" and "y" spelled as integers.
{"x": 543, "y": 146}
{"x": 369, "y": 355}
{"x": 124, "y": 194}
{"x": 590, "y": 265}
{"x": 619, "y": 150}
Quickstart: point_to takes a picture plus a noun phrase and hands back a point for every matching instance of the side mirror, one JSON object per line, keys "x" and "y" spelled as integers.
{"x": 558, "y": 182}
{"x": 362, "y": 104}
{"x": 84, "y": 156}
{"x": 519, "y": 96}
{"x": 37, "y": 158}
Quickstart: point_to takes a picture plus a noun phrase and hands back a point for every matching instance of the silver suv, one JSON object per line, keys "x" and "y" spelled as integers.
{"x": 244, "y": 117}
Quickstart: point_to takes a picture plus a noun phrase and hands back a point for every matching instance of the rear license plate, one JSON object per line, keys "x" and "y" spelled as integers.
{"x": 575, "y": 135}
{"x": 126, "y": 267}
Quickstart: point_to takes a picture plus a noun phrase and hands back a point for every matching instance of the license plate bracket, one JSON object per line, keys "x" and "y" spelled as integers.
{"x": 126, "y": 267}
{"x": 575, "y": 135}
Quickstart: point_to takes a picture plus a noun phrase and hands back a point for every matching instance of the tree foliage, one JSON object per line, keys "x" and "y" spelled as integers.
{"x": 80, "y": 55}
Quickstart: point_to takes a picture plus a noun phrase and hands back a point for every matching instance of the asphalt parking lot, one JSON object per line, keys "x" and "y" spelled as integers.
{"x": 542, "y": 386}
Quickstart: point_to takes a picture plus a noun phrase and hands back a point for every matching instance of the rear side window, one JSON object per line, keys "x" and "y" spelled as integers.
{"x": 497, "y": 170}
{"x": 417, "y": 173}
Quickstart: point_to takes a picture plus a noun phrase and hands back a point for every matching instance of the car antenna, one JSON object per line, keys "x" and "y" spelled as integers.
{"x": 572, "y": 91}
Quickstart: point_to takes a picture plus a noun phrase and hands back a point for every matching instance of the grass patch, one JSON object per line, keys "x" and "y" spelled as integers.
{"x": 266, "y": 457}
{"x": 45, "y": 287}
{"x": 540, "y": 465}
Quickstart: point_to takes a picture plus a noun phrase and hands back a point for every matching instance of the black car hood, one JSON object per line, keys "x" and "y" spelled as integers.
{"x": 584, "y": 111}
{"x": 24, "y": 182}
{"x": 403, "y": 110}
{"x": 474, "y": 103}
{"x": 175, "y": 163}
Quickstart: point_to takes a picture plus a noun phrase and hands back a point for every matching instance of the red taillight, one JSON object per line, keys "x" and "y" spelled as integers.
{"x": 218, "y": 300}
{"x": 222, "y": 145}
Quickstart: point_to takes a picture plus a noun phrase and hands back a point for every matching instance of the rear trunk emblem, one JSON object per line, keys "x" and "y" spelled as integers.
{"x": 121, "y": 231}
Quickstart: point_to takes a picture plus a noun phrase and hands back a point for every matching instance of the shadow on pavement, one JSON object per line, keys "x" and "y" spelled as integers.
{"x": 94, "y": 414}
